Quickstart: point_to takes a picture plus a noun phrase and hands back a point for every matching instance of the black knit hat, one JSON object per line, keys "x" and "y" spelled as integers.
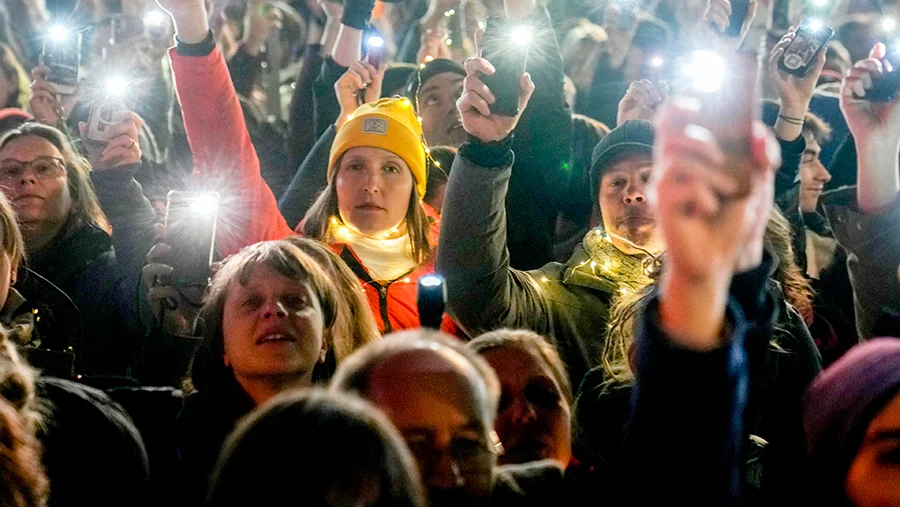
{"x": 428, "y": 71}
{"x": 631, "y": 136}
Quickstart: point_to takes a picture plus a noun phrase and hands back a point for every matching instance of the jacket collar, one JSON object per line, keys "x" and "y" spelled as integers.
{"x": 597, "y": 264}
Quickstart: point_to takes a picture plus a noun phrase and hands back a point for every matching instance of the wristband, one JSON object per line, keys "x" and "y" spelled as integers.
{"x": 792, "y": 120}
{"x": 356, "y": 13}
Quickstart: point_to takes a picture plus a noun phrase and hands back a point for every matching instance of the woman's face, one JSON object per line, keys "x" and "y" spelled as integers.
{"x": 374, "y": 187}
{"x": 272, "y": 326}
{"x": 534, "y": 417}
{"x": 38, "y": 201}
{"x": 874, "y": 476}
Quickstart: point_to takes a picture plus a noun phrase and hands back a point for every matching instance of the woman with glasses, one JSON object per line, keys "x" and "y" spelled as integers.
{"x": 67, "y": 237}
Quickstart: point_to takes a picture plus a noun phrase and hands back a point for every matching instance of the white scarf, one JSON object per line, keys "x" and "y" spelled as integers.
{"x": 385, "y": 259}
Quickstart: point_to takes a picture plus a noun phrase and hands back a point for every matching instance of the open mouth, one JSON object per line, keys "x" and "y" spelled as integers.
{"x": 275, "y": 338}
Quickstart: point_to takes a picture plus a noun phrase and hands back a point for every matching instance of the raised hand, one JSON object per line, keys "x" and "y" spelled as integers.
{"x": 175, "y": 309}
{"x": 44, "y": 102}
{"x": 474, "y": 105}
{"x": 122, "y": 149}
{"x": 795, "y": 92}
{"x": 190, "y": 19}
{"x": 642, "y": 100}
{"x": 361, "y": 78}
{"x": 711, "y": 227}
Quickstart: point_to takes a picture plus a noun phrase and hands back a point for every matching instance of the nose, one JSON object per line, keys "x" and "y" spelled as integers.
{"x": 523, "y": 412}
{"x": 822, "y": 173}
{"x": 444, "y": 471}
{"x": 273, "y": 309}
{"x": 634, "y": 193}
{"x": 372, "y": 183}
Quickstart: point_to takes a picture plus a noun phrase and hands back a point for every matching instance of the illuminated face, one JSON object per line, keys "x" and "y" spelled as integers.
{"x": 272, "y": 327}
{"x": 434, "y": 403}
{"x": 623, "y": 204}
{"x": 374, "y": 188}
{"x": 875, "y": 471}
{"x": 813, "y": 177}
{"x": 437, "y": 107}
{"x": 534, "y": 419}
{"x": 39, "y": 202}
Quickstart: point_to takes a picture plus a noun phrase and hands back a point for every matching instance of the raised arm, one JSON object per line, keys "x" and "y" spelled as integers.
{"x": 869, "y": 230}
{"x": 224, "y": 158}
{"x": 483, "y": 293}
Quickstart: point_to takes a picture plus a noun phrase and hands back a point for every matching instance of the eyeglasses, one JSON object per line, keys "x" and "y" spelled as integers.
{"x": 44, "y": 168}
{"x": 469, "y": 456}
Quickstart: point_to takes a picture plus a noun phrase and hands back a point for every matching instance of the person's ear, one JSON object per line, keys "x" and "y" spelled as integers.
{"x": 324, "y": 351}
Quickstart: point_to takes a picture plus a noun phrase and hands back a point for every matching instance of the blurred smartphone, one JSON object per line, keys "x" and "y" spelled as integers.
{"x": 107, "y": 111}
{"x": 375, "y": 51}
{"x": 729, "y": 115}
{"x": 800, "y": 55}
{"x": 887, "y": 87}
{"x": 63, "y": 58}
{"x": 738, "y": 16}
{"x": 432, "y": 296}
{"x": 503, "y": 46}
{"x": 191, "y": 232}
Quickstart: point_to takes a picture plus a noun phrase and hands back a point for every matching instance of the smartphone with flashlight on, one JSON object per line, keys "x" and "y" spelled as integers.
{"x": 191, "y": 232}
{"x": 61, "y": 54}
{"x": 114, "y": 99}
{"x": 432, "y": 296}
{"x": 375, "y": 50}
{"x": 810, "y": 39}
{"x": 505, "y": 45}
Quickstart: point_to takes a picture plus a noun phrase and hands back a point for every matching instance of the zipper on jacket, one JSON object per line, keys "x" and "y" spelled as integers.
{"x": 361, "y": 273}
{"x": 383, "y": 305}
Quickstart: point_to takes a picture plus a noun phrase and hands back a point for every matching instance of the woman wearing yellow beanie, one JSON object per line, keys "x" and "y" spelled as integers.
{"x": 372, "y": 213}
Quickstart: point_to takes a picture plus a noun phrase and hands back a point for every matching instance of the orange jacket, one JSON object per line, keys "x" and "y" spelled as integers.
{"x": 226, "y": 162}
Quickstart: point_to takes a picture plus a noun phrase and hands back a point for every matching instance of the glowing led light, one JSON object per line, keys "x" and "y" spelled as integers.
{"x": 481, "y": 25}
{"x": 428, "y": 58}
{"x": 58, "y": 33}
{"x": 438, "y": 164}
{"x": 656, "y": 62}
{"x": 544, "y": 279}
{"x": 448, "y": 42}
{"x": 154, "y": 18}
{"x": 888, "y": 24}
{"x": 375, "y": 41}
{"x": 205, "y": 204}
{"x": 116, "y": 86}
{"x": 521, "y": 36}
{"x": 815, "y": 25}
{"x": 430, "y": 281}
{"x": 449, "y": 13}
{"x": 705, "y": 70}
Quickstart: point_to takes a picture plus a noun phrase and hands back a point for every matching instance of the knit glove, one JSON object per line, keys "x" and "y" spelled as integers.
{"x": 356, "y": 13}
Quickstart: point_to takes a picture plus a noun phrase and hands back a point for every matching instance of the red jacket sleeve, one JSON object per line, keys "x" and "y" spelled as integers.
{"x": 224, "y": 158}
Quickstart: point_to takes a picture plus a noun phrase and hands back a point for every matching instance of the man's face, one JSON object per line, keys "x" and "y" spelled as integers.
{"x": 813, "y": 177}
{"x": 623, "y": 203}
{"x": 432, "y": 399}
{"x": 437, "y": 107}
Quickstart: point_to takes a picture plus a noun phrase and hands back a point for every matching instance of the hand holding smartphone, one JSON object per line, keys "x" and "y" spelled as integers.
{"x": 114, "y": 98}
{"x": 505, "y": 46}
{"x": 61, "y": 53}
{"x": 809, "y": 40}
{"x": 191, "y": 231}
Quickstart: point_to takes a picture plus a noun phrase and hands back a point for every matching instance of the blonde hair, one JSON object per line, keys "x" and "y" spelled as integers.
{"x": 12, "y": 241}
{"x": 354, "y": 325}
{"x": 85, "y": 207}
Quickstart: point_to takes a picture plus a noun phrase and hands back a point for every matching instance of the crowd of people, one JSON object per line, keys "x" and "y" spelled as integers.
{"x": 455, "y": 252}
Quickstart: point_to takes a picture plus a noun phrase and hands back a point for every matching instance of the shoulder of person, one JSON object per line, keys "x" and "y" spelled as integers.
{"x": 528, "y": 484}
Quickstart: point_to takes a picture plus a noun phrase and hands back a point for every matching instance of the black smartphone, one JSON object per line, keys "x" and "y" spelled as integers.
{"x": 505, "y": 45}
{"x": 739, "y": 10}
{"x": 61, "y": 53}
{"x": 887, "y": 87}
{"x": 432, "y": 296}
{"x": 800, "y": 55}
{"x": 191, "y": 232}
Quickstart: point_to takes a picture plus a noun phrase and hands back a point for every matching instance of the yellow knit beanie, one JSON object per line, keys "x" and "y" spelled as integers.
{"x": 389, "y": 124}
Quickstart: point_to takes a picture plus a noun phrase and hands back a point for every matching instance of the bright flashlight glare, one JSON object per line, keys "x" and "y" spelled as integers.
{"x": 656, "y": 62}
{"x": 375, "y": 41}
{"x": 705, "y": 70}
{"x": 888, "y": 24}
{"x": 154, "y": 18}
{"x": 116, "y": 86}
{"x": 205, "y": 204}
{"x": 521, "y": 36}
{"x": 58, "y": 33}
{"x": 815, "y": 25}
{"x": 820, "y": 3}
{"x": 431, "y": 281}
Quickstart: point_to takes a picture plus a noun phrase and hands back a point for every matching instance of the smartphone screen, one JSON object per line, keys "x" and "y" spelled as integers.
{"x": 63, "y": 58}
{"x": 505, "y": 45}
{"x": 431, "y": 299}
{"x": 811, "y": 37}
{"x": 191, "y": 231}
{"x": 886, "y": 88}
{"x": 107, "y": 111}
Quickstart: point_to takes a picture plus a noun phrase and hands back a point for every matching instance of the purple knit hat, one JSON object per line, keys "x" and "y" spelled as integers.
{"x": 843, "y": 400}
